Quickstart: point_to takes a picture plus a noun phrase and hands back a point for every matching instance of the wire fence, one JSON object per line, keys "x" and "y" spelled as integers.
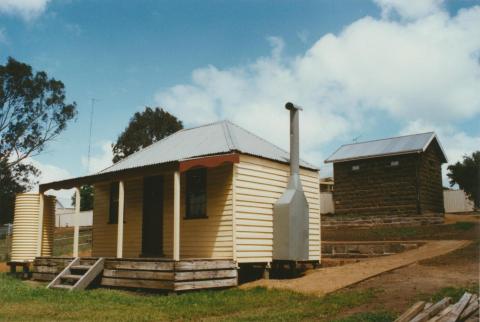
{"x": 5, "y": 242}
{"x": 62, "y": 244}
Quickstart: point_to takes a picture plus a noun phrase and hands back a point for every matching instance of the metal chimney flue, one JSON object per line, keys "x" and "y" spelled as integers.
{"x": 290, "y": 212}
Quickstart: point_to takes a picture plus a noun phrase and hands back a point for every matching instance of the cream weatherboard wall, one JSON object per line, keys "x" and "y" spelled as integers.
{"x": 199, "y": 238}
{"x": 104, "y": 235}
{"x": 249, "y": 189}
{"x": 258, "y": 184}
{"x": 209, "y": 237}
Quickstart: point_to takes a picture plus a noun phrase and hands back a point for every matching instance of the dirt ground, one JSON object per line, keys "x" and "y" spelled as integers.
{"x": 326, "y": 280}
{"x": 465, "y": 217}
{"x": 398, "y": 289}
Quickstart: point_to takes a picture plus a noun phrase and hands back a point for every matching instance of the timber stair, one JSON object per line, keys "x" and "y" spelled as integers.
{"x": 77, "y": 275}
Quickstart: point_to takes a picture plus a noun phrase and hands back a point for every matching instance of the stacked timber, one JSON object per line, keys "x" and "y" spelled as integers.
{"x": 465, "y": 310}
{"x": 169, "y": 275}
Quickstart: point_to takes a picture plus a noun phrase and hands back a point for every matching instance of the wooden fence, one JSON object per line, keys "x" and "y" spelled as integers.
{"x": 456, "y": 201}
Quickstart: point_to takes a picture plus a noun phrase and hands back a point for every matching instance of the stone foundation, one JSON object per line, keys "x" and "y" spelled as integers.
{"x": 365, "y": 249}
{"x": 339, "y": 221}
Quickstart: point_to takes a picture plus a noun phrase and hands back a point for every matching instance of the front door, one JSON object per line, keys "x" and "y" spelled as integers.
{"x": 152, "y": 237}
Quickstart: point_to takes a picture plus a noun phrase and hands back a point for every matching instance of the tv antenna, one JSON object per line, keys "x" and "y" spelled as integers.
{"x": 355, "y": 139}
{"x": 90, "y": 134}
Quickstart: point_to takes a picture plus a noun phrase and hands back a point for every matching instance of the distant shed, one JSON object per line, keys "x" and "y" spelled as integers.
{"x": 400, "y": 176}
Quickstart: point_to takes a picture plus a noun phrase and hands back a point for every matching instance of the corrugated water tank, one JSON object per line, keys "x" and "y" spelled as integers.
{"x": 26, "y": 224}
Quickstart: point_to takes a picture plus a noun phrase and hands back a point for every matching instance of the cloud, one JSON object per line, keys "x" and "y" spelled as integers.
{"x": 99, "y": 160}
{"x": 303, "y": 36}
{"x": 409, "y": 9}
{"x": 374, "y": 70}
{"x": 27, "y": 9}
{"x": 50, "y": 173}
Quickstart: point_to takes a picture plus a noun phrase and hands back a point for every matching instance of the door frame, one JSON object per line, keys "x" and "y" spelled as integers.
{"x": 161, "y": 252}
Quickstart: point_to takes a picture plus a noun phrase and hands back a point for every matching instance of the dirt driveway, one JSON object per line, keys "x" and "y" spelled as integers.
{"x": 330, "y": 279}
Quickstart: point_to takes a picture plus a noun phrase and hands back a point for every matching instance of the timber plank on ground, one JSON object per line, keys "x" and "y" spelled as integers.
{"x": 463, "y": 310}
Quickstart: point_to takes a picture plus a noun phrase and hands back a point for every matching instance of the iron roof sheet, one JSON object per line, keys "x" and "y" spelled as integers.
{"x": 384, "y": 147}
{"x": 215, "y": 138}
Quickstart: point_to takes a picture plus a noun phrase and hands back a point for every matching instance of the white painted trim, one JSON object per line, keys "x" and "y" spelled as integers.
{"x": 121, "y": 211}
{"x": 234, "y": 212}
{"x": 40, "y": 223}
{"x": 76, "y": 229}
{"x": 176, "y": 215}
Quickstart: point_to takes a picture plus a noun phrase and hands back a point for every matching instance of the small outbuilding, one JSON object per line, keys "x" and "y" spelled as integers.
{"x": 395, "y": 180}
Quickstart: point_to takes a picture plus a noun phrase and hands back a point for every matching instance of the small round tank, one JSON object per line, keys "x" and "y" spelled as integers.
{"x": 26, "y": 224}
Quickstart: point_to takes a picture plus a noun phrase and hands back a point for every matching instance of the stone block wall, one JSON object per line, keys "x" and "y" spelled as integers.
{"x": 378, "y": 186}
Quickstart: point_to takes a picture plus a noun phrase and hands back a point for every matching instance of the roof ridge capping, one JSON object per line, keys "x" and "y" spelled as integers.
{"x": 268, "y": 142}
{"x": 390, "y": 138}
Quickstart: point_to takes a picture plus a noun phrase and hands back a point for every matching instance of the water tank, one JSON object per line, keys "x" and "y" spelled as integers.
{"x": 25, "y": 226}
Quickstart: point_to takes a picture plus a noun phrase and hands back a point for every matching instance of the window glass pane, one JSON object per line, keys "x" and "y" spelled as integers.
{"x": 196, "y": 197}
{"x": 113, "y": 209}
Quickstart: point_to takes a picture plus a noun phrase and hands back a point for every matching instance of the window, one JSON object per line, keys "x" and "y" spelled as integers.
{"x": 113, "y": 208}
{"x": 196, "y": 197}
{"x": 394, "y": 163}
{"x": 355, "y": 168}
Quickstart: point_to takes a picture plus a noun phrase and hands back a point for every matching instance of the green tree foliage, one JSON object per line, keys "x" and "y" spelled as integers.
{"x": 467, "y": 175}
{"x": 32, "y": 113}
{"x": 144, "y": 129}
{"x": 86, "y": 198}
{"x": 13, "y": 180}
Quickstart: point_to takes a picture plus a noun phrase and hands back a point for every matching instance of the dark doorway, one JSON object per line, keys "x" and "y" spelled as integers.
{"x": 152, "y": 237}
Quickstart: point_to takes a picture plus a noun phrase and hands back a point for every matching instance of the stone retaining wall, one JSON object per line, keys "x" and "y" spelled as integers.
{"x": 338, "y": 221}
{"x": 365, "y": 249}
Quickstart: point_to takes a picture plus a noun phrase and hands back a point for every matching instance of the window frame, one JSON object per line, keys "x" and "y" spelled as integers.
{"x": 394, "y": 163}
{"x": 201, "y": 190}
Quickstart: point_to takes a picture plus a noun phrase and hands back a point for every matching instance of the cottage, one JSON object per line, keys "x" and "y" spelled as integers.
{"x": 391, "y": 180}
{"x": 202, "y": 198}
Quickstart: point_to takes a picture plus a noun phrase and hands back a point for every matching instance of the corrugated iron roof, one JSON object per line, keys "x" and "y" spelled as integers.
{"x": 392, "y": 146}
{"x": 215, "y": 138}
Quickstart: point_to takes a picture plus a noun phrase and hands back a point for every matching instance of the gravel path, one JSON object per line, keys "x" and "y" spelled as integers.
{"x": 330, "y": 279}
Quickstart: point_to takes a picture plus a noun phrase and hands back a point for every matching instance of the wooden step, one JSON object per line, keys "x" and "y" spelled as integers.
{"x": 77, "y": 276}
{"x": 81, "y": 267}
{"x": 62, "y": 286}
{"x": 71, "y": 277}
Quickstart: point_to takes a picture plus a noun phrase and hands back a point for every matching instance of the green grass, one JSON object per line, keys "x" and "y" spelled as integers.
{"x": 464, "y": 225}
{"x": 24, "y": 301}
{"x": 380, "y": 316}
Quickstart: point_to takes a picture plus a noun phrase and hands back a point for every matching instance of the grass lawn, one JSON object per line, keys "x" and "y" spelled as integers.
{"x": 26, "y": 301}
